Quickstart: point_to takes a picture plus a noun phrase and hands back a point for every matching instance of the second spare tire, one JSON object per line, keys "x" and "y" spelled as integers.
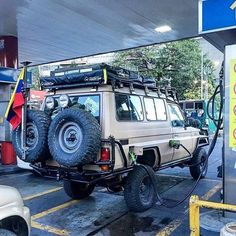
{"x": 36, "y": 137}
{"x": 74, "y": 137}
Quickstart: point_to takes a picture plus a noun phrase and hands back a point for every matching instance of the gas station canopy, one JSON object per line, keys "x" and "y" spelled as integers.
{"x": 53, "y": 30}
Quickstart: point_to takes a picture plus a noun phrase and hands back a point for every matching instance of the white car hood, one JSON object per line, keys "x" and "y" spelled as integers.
{"x": 9, "y": 195}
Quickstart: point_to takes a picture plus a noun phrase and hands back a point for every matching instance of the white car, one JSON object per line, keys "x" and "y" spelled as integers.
{"x": 14, "y": 216}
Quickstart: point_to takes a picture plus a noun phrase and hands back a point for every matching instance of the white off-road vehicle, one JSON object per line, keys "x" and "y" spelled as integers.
{"x": 98, "y": 122}
{"x": 14, "y": 216}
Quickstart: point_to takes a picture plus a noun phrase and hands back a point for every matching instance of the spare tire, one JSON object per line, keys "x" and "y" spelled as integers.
{"x": 36, "y": 137}
{"x": 74, "y": 137}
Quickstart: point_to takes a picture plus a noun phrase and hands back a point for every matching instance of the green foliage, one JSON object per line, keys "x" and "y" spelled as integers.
{"x": 35, "y": 77}
{"x": 177, "y": 64}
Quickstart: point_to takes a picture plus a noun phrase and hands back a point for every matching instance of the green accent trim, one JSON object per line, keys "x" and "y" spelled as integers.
{"x": 105, "y": 76}
{"x": 132, "y": 156}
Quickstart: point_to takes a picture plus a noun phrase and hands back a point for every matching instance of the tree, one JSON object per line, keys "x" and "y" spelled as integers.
{"x": 177, "y": 64}
{"x": 35, "y": 77}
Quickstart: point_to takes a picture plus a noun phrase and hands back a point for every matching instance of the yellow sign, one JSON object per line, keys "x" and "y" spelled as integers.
{"x": 232, "y": 104}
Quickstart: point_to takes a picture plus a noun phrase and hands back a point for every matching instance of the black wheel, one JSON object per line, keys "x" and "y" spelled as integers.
{"x": 36, "y": 137}
{"x": 4, "y": 232}
{"x": 199, "y": 158}
{"x": 139, "y": 190}
{"x": 74, "y": 137}
{"x": 77, "y": 190}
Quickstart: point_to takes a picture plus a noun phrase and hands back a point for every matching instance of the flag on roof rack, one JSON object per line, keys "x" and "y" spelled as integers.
{"x": 14, "y": 110}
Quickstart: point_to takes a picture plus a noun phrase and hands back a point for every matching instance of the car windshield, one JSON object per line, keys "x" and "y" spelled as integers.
{"x": 90, "y": 103}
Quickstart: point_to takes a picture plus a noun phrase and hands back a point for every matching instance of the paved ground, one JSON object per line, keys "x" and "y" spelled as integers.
{"x": 54, "y": 213}
{"x": 9, "y": 169}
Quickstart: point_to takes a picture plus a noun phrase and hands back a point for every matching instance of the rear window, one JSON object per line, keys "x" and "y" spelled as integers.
{"x": 90, "y": 103}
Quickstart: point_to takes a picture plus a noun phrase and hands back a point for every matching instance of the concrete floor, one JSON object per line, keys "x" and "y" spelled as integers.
{"x": 54, "y": 213}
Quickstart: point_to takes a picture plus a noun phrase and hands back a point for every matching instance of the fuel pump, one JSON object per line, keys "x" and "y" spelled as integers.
{"x": 229, "y": 154}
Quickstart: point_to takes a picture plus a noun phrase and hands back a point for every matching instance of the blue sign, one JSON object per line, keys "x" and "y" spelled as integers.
{"x": 216, "y": 15}
{"x": 8, "y": 75}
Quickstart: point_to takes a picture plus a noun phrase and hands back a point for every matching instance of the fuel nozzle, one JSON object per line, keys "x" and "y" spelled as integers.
{"x": 174, "y": 143}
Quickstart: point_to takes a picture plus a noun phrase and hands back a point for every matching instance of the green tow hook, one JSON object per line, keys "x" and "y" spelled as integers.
{"x": 133, "y": 157}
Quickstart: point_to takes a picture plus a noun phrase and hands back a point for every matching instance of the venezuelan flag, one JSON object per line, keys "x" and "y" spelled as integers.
{"x": 14, "y": 110}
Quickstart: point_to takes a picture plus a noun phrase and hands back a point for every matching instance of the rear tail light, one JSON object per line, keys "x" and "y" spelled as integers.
{"x": 105, "y": 156}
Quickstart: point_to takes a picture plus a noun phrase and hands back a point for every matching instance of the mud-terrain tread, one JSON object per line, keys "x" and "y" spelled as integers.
{"x": 132, "y": 187}
{"x": 91, "y": 142}
{"x": 195, "y": 171}
{"x": 41, "y": 151}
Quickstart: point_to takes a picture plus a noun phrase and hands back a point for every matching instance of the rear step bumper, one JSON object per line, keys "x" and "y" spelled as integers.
{"x": 90, "y": 177}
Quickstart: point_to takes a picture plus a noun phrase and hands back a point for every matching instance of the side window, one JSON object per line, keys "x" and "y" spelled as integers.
{"x": 199, "y": 105}
{"x": 176, "y": 116}
{"x": 160, "y": 109}
{"x": 150, "y": 109}
{"x": 128, "y": 108}
{"x": 136, "y": 108}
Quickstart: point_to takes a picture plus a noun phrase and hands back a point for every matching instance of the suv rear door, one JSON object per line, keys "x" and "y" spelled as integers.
{"x": 180, "y": 132}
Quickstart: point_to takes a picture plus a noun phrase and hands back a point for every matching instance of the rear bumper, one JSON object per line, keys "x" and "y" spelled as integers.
{"x": 88, "y": 177}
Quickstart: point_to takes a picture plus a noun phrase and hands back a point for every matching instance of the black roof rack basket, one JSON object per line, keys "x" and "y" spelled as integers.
{"x": 102, "y": 74}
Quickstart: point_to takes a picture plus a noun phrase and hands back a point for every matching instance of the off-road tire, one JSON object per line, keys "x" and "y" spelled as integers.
{"x": 77, "y": 190}
{"x": 4, "y": 232}
{"x": 87, "y": 137}
{"x": 198, "y": 158}
{"x": 132, "y": 189}
{"x": 38, "y": 122}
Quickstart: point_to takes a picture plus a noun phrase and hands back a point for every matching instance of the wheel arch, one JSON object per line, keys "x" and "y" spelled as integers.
{"x": 201, "y": 142}
{"x": 151, "y": 157}
{"x": 15, "y": 224}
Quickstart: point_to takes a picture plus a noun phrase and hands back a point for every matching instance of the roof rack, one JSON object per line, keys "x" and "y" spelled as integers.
{"x": 101, "y": 75}
{"x": 166, "y": 92}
